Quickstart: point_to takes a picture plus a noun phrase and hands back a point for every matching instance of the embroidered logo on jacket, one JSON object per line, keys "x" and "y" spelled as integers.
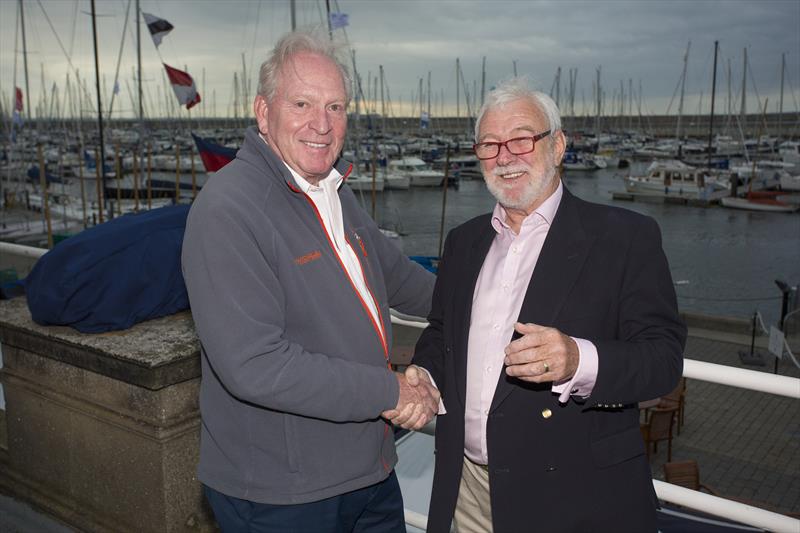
{"x": 303, "y": 259}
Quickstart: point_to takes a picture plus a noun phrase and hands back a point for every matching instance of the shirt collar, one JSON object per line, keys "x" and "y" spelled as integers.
{"x": 546, "y": 211}
{"x": 304, "y": 185}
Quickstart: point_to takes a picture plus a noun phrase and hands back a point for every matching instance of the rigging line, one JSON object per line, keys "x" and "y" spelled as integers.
{"x": 58, "y": 39}
{"x": 755, "y": 89}
{"x": 74, "y": 27}
{"x": 255, "y": 34}
{"x": 119, "y": 59}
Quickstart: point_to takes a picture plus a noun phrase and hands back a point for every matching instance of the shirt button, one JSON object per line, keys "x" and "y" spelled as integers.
{"x": 488, "y": 369}
{"x": 496, "y": 327}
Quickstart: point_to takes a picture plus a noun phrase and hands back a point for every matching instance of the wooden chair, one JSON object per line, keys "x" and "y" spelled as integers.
{"x": 676, "y": 398}
{"x": 686, "y": 474}
{"x": 659, "y": 427}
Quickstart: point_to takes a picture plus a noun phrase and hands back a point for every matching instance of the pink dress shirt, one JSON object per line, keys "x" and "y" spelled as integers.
{"x": 496, "y": 303}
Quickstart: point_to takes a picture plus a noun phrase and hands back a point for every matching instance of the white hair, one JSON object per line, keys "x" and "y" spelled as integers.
{"x": 519, "y": 88}
{"x": 312, "y": 41}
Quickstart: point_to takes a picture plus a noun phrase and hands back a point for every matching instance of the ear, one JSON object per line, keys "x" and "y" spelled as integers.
{"x": 559, "y": 146}
{"x": 260, "y": 109}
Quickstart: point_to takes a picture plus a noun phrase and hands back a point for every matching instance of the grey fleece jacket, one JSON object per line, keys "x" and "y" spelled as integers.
{"x": 294, "y": 372}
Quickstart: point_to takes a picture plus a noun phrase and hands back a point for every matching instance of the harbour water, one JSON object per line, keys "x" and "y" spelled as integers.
{"x": 723, "y": 261}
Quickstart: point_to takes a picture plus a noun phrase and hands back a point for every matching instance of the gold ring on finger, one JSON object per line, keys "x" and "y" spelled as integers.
{"x": 546, "y": 367}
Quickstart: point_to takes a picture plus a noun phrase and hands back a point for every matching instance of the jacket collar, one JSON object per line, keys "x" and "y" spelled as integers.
{"x": 256, "y": 151}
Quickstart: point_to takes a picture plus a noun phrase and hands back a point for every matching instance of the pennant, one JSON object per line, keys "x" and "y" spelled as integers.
{"x": 116, "y": 87}
{"x": 339, "y": 20}
{"x": 214, "y": 156}
{"x": 158, "y": 27}
{"x": 184, "y": 87}
{"x": 18, "y": 99}
{"x": 424, "y": 120}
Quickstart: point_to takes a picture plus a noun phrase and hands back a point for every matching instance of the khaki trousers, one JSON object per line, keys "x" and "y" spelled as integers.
{"x": 474, "y": 507}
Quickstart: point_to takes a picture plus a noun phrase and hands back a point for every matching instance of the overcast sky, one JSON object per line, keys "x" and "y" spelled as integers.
{"x": 643, "y": 41}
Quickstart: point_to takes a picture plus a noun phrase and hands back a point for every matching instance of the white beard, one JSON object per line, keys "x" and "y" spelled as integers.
{"x": 530, "y": 193}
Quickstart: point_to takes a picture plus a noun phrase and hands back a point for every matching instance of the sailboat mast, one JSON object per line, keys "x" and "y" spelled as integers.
{"x": 25, "y": 58}
{"x": 713, "y": 95}
{"x": 357, "y": 91}
{"x": 139, "y": 63}
{"x": 683, "y": 87}
{"x": 458, "y": 90}
{"x": 100, "y": 159}
{"x": 483, "y": 80}
{"x": 293, "y": 11}
{"x": 429, "y": 98}
{"x": 780, "y": 106}
{"x": 383, "y": 103}
{"x": 328, "y": 14}
{"x": 743, "y": 110}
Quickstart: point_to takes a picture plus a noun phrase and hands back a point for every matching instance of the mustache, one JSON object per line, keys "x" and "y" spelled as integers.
{"x": 499, "y": 171}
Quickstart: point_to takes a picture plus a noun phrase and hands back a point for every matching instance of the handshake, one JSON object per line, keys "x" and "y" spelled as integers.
{"x": 418, "y": 402}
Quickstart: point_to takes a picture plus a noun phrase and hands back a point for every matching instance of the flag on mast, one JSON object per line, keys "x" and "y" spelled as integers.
{"x": 214, "y": 156}
{"x": 158, "y": 27}
{"x": 339, "y": 20}
{"x": 184, "y": 87}
{"x": 16, "y": 116}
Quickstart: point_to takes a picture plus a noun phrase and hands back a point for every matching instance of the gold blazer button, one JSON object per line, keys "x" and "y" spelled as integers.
{"x": 547, "y": 413}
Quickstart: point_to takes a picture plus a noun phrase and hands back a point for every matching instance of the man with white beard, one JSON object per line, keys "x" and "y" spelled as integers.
{"x": 552, "y": 318}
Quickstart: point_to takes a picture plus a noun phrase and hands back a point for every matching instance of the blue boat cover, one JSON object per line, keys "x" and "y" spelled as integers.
{"x": 111, "y": 276}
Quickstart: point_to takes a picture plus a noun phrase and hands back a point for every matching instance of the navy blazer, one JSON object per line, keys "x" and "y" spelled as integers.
{"x": 602, "y": 276}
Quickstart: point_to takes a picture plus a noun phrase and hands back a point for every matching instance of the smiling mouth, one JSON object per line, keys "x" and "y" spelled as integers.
{"x": 511, "y": 175}
{"x": 314, "y": 145}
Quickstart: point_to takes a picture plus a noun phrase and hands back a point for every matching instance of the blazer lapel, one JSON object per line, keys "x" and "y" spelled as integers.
{"x": 463, "y": 302}
{"x": 560, "y": 262}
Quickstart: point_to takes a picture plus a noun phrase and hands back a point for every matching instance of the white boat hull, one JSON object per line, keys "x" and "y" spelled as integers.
{"x": 755, "y": 205}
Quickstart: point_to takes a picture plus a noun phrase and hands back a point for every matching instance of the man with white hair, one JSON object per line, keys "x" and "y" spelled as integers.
{"x": 551, "y": 318}
{"x": 290, "y": 284}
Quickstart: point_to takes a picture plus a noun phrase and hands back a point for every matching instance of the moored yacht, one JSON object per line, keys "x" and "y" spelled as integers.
{"x": 677, "y": 179}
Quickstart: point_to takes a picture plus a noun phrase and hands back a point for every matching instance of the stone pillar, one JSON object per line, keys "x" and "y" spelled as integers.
{"x": 103, "y": 430}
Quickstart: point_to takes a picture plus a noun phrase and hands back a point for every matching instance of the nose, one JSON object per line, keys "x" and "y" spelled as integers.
{"x": 505, "y": 157}
{"x": 320, "y": 122}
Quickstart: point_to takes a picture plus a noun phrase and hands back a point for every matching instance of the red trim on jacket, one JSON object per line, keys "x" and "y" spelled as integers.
{"x": 379, "y": 329}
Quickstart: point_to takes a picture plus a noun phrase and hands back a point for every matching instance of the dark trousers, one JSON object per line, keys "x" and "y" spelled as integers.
{"x": 374, "y": 509}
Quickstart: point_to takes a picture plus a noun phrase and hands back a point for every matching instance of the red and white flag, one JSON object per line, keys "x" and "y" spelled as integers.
{"x": 18, "y": 99}
{"x": 184, "y": 87}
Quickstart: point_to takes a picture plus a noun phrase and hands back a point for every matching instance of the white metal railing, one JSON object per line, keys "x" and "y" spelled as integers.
{"x": 20, "y": 250}
{"x": 692, "y": 499}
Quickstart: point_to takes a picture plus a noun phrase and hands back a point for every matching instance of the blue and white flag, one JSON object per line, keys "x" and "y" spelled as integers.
{"x": 339, "y": 20}
{"x": 424, "y": 120}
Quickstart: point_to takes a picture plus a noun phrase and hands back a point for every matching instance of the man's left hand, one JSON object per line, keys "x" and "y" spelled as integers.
{"x": 541, "y": 355}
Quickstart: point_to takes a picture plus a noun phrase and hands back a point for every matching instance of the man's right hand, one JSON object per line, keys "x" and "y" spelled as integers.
{"x": 418, "y": 402}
